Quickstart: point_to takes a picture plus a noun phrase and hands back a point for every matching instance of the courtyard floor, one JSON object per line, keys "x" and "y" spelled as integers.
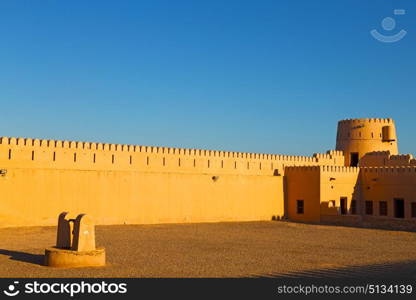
{"x": 246, "y": 249}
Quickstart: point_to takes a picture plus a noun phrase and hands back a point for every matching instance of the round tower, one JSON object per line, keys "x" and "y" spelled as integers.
{"x": 356, "y": 137}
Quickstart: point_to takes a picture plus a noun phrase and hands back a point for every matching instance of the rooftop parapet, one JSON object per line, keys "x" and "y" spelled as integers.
{"x": 97, "y": 146}
{"x": 406, "y": 157}
{"x": 335, "y": 152}
{"x": 302, "y": 168}
{"x": 324, "y": 168}
{"x": 383, "y": 158}
{"x": 391, "y": 169}
{"x": 379, "y": 153}
{"x": 340, "y": 169}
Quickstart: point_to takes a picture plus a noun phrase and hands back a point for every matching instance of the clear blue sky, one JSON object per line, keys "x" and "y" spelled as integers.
{"x": 255, "y": 76}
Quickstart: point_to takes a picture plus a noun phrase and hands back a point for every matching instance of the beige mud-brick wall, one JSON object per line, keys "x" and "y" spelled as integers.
{"x": 383, "y": 158}
{"x": 140, "y": 184}
{"x": 302, "y": 183}
{"x": 136, "y": 184}
{"x": 388, "y": 183}
{"x": 337, "y": 182}
{"x": 376, "y": 158}
{"x": 330, "y": 158}
{"x": 321, "y": 188}
{"x": 131, "y": 197}
{"x": 401, "y": 160}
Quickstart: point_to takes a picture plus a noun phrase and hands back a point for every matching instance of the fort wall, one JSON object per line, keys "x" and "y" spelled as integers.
{"x": 36, "y": 196}
{"x": 321, "y": 188}
{"x": 303, "y": 185}
{"x": 383, "y": 158}
{"x": 339, "y": 184}
{"x": 385, "y": 184}
{"x": 133, "y": 184}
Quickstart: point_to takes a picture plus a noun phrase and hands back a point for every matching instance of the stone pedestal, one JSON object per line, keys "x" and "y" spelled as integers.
{"x": 65, "y": 258}
{"x": 75, "y": 246}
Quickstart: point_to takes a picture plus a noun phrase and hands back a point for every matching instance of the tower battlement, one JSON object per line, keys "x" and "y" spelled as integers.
{"x": 367, "y": 120}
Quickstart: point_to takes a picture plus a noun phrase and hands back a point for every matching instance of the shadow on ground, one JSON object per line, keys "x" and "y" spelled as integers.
{"x": 405, "y": 270}
{"x": 36, "y": 259}
{"x": 362, "y": 225}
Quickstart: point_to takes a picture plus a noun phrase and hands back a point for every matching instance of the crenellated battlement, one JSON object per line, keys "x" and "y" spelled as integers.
{"x": 63, "y": 154}
{"x": 367, "y": 120}
{"x": 302, "y": 168}
{"x": 401, "y": 157}
{"x": 383, "y": 158}
{"x": 391, "y": 170}
{"x": 379, "y": 153}
{"x": 97, "y": 146}
{"x": 340, "y": 169}
{"x": 335, "y": 153}
{"x": 323, "y": 168}
{"x": 340, "y": 173}
{"x": 78, "y": 145}
{"x": 389, "y": 176}
{"x": 400, "y": 172}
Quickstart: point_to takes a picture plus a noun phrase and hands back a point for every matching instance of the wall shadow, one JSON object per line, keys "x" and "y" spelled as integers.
{"x": 403, "y": 270}
{"x": 361, "y": 225}
{"x": 378, "y": 225}
{"x": 36, "y": 259}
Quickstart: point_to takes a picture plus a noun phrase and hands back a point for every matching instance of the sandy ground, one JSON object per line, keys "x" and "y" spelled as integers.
{"x": 248, "y": 249}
